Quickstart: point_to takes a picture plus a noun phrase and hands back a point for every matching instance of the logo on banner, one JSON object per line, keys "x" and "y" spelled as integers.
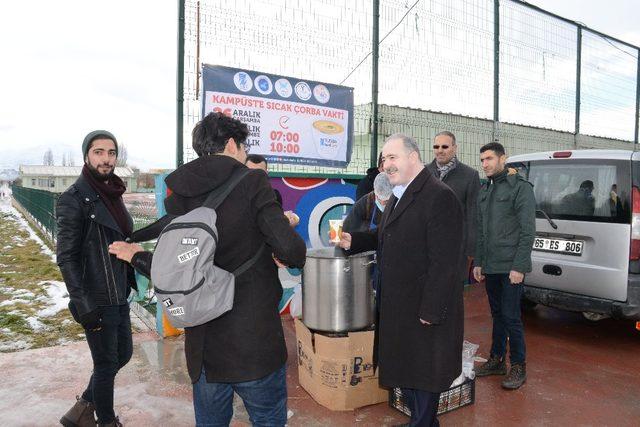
{"x": 243, "y": 81}
{"x": 283, "y": 88}
{"x": 321, "y": 93}
{"x": 303, "y": 91}
{"x": 263, "y": 85}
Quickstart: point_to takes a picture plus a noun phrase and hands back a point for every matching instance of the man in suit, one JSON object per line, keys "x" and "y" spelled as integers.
{"x": 464, "y": 181}
{"x": 420, "y": 330}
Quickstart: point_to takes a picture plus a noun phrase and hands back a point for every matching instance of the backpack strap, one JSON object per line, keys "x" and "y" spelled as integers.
{"x": 217, "y": 196}
{"x": 248, "y": 264}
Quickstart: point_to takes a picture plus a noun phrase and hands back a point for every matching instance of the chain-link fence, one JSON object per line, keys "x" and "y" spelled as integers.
{"x": 504, "y": 61}
{"x": 40, "y": 206}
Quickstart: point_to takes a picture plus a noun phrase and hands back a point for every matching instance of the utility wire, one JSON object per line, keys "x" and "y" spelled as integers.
{"x": 380, "y": 42}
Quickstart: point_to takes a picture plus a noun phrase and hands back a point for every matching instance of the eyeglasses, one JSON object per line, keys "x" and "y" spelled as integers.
{"x": 437, "y": 147}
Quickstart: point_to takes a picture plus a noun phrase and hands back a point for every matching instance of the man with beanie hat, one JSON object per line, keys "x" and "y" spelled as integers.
{"x": 90, "y": 216}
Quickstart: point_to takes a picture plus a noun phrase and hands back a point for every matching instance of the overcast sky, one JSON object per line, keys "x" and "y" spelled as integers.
{"x": 77, "y": 65}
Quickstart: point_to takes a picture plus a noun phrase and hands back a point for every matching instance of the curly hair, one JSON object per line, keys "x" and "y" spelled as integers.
{"x": 210, "y": 135}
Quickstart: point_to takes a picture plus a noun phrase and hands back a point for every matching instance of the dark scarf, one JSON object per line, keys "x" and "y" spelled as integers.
{"x": 111, "y": 194}
{"x": 445, "y": 169}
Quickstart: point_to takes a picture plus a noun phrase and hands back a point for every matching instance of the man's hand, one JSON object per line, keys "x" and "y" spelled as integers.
{"x": 92, "y": 321}
{"x": 516, "y": 277}
{"x": 279, "y": 263}
{"x": 345, "y": 241}
{"x": 124, "y": 251}
{"x": 292, "y": 217}
{"x": 477, "y": 274}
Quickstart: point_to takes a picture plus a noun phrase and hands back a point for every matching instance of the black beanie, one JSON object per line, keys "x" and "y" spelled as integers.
{"x": 96, "y": 134}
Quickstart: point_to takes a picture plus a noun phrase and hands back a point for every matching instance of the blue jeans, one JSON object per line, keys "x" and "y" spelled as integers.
{"x": 264, "y": 398}
{"x": 504, "y": 300}
{"x": 111, "y": 349}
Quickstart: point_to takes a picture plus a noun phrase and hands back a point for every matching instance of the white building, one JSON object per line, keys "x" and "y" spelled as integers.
{"x": 58, "y": 178}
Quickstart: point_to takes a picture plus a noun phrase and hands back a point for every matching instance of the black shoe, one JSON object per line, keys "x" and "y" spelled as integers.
{"x": 517, "y": 376}
{"x": 493, "y": 366}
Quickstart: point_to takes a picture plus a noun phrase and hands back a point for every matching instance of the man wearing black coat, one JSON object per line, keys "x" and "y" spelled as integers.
{"x": 90, "y": 216}
{"x": 464, "y": 181}
{"x": 420, "y": 331}
{"x": 242, "y": 351}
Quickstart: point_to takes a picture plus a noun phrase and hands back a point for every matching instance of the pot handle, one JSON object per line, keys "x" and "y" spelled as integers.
{"x": 373, "y": 261}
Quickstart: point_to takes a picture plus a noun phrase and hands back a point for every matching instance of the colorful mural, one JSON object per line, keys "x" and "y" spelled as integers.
{"x": 315, "y": 201}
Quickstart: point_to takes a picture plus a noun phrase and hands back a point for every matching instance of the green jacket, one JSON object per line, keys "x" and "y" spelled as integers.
{"x": 506, "y": 224}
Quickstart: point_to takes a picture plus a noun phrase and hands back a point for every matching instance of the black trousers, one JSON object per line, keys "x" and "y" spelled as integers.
{"x": 111, "y": 348}
{"x": 424, "y": 407}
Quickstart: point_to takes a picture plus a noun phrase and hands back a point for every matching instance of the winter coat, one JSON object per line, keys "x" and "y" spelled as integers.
{"x": 359, "y": 218}
{"x": 420, "y": 242}
{"x": 86, "y": 228}
{"x": 247, "y": 342}
{"x": 465, "y": 182}
{"x": 506, "y": 224}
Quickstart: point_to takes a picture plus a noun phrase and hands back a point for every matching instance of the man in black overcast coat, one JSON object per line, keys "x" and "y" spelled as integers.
{"x": 420, "y": 330}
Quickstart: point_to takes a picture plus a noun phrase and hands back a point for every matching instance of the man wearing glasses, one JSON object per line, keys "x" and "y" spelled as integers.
{"x": 464, "y": 181}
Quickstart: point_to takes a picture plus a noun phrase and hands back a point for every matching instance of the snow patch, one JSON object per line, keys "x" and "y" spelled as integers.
{"x": 23, "y": 293}
{"x": 14, "y": 301}
{"x": 58, "y": 298}
{"x": 14, "y": 345}
{"x": 35, "y": 323}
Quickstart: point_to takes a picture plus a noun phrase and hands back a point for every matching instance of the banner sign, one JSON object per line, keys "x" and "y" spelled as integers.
{"x": 290, "y": 120}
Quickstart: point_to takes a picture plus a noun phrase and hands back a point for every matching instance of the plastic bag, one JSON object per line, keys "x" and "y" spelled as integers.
{"x": 468, "y": 352}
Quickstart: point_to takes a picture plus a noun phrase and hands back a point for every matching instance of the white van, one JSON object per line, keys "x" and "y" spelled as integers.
{"x": 586, "y": 254}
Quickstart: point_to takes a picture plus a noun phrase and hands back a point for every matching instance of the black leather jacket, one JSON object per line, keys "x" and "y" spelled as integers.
{"x": 85, "y": 231}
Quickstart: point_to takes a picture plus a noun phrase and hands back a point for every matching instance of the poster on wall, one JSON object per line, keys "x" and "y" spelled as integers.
{"x": 290, "y": 120}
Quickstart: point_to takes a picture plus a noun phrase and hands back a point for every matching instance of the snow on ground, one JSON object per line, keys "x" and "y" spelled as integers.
{"x": 58, "y": 298}
{"x": 35, "y": 324}
{"x": 14, "y": 345}
{"x": 6, "y": 207}
{"x": 14, "y": 301}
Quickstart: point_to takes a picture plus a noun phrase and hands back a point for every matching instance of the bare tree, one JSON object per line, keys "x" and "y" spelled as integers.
{"x": 67, "y": 159}
{"x": 122, "y": 155}
{"x": 47, "y": 160}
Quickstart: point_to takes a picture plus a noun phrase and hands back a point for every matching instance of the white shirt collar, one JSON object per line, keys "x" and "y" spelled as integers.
{"x": 399, "y": 190}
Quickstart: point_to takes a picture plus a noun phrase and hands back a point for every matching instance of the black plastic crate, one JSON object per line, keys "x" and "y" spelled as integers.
{"x": 454, "y": 398}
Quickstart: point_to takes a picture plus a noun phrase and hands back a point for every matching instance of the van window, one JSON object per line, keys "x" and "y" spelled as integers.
{"x": 581, "y": 189}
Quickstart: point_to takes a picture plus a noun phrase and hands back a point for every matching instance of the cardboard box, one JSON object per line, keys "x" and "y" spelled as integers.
{"x": 338, "y": 371}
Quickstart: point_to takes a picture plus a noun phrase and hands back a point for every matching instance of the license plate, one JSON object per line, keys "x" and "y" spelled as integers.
{"x": 569, "y": 247}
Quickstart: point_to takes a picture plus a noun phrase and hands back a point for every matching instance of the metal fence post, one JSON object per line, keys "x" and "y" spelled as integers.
{"x": 635, "y": 140}
{"x": 180, "y": 85}
{"x": 496, "y": 67}
{"x": 374, "y": 84}
{"x": 578, "y": 84}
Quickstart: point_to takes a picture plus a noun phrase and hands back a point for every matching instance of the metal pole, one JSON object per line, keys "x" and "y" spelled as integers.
{"x": 180, "y": 86}
{"x": 635, "y": 140}
{"x": 496, "y": 67}
{"x": 374, "y": 84}
{"x": 578, "y": 82}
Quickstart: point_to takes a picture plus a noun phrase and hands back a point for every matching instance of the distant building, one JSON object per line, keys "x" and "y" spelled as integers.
{"x": 58, "y": 178}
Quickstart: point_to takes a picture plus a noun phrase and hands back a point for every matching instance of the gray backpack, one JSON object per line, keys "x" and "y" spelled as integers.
{"x": 191, "y": 289}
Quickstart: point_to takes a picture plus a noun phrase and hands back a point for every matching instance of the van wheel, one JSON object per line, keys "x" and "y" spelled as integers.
{"x": 594, "y": 317}
{"x": 527, "y": 304}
